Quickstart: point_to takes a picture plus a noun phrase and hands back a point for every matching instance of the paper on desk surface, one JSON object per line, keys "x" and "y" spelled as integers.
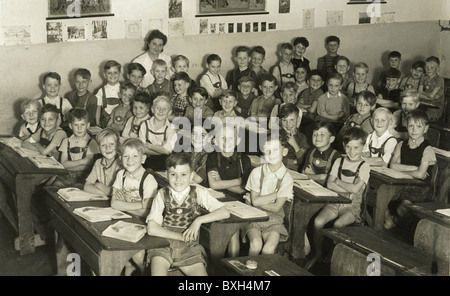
{"x": 391, "y": 173}
{"x": 445, "y": 212}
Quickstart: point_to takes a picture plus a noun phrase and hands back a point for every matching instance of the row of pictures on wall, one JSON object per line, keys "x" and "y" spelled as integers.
{"x": 222, "y": 28}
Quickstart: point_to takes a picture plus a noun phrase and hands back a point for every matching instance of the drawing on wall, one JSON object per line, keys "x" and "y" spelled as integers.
{"x": 364, "y": 18}
{"x": 17, "y": 35}
{"x": 248, "y": 27}
{"x": 231, "y": 6}
{"x": 203, "y": 26}
{"x": 285, "y": 6}
{"x": 78, "y": 8}
{"x": 175, "y": 8}
{"x": 387, "y": 17}
{"x": 54, "y": 32}
{"x": 239, "y": 27}
{"x": 99, "y": 30}
{"x": 212, "y": 28}
{"x": 335, "y": 18}
{"x": 263, "y": 26}
{"x": 272, "y": 26}
{"x": 231, "y": 28}
{"x": 222, "y": 28}
{"x": 176, "y": 28}
{"x": 76, "y": 33}
{"x": 255, "y": 27}
{"x": 308, "y": 18}
{"x": 133, "y": 29}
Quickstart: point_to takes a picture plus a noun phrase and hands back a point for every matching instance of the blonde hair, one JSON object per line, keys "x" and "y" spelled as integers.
{"x": 385, "y": 110}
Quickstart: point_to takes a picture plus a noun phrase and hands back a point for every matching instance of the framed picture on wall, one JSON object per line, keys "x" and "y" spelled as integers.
{"x": 60, "y": 9}
{"x": 366, "y": 1}
{"x": 230, "y": 7}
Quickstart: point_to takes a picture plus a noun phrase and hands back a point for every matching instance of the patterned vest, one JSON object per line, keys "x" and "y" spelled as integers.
{"x": 180, "y": 216}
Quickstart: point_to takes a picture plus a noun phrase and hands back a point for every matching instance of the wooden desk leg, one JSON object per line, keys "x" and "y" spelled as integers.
{"x": 24, "y": 190}
{"x": 384, "y": 196}
{"x": 111, "y": 263}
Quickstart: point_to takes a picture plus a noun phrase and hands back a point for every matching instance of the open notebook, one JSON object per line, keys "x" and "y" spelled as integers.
{"x": 314, "y": 188}
{"x": 243, "y": 210}
{"x": 391, "y": 173}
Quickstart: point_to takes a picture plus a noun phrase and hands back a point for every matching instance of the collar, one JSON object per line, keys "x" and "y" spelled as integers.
{"x": 85, "y": 138}
{"x": 179, "y": 196}
{"x": 32, "y": 125}
{"x": 328, "y": 150}
{"x": 385, "y": 135}
{"x": 234, "y": 156}
{"x": 137, "y": 175}
{"x": 330, "y": 97}
{"x": 51, "y": 100}
{"x": 153, "y": 121}
{"x": 105, "y": 165}
{"x": 278, "y": 173}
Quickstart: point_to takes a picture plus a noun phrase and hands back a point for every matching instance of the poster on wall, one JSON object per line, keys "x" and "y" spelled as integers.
{"x": 175, "y": 8}
{"x": 176, "y": 28}
{"x": 335, "y": 18}
{"x": 16, "y": 35}
{"x": 76, "y": 33}
{"x": 203, "y": 26}
{"x": 99, "y": 30}
{"x": 54, "y": 32}
{"x": 133, "y": 29}
{"x": 285, "y": 6}
{"x": 78, "y": 8}
{"x": 212, "y": 28}
{"x": 308, "y": 18}
{"x": 223, "y": 7}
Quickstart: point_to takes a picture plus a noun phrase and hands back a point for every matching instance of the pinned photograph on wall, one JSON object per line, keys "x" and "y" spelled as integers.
{"x": 263, "y": 26}
{"x": 99, "y": 30}
{"x": 204, "y": 26}
{"x": 335, "y": 18}
{"x": 54, "y": 32}
{"x": 213, "y": 28}
{"x": 248, "y": 27}
{"x": 255, "y": 27}
{"x": 239, "y": 27}
{"x": 222, "y": 28}
{"x": 78, "y": 8}
{"x": 176, "y": 28}
{"x": 230, "y": 7}
{"x": 175, "y": 8}
{"x": 285, "y": 6}
{"x": 272, "y": 26}
{"x": 387, "y": 17}
{"x": 16, "y": 35}
{"x": 308, "y": 18}
{"x": 76, "y": 33}
{"x": 230, "y": 27}
{"x": 133, "y": 29}
{"x": 364, "y": 18}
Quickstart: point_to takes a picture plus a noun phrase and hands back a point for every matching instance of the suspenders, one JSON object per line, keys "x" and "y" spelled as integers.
{"x": 347, "y": 172}
{"x": 85, "y": 148}
{"x": 141, "y": 184}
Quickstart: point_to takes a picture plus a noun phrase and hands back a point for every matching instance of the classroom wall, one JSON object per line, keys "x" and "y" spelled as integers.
{"x": 22, "y": 67}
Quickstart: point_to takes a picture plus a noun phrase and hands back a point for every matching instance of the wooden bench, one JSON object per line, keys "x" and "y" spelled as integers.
{"x": 354, "y": 244}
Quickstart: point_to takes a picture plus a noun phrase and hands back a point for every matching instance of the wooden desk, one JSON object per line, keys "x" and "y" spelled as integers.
{"x": 381, "y": 190}
{"x": 104, "y": 255}
{"x": 281, "y": 265}
{"x": 19, "y": 176}
{"x": 443, "y": 179}
{"x": 396, "y": 257}
{"x": 427, "y": 210}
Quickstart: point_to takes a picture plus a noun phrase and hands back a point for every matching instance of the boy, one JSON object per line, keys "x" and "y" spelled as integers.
{"x": 307, "y": 100}
{"x": 342, "y": 67}
{"x": 431, "y": 89}
{"x": 359, "y": 83}
{"x": 158, "y": 134}
{"x": 263, "y": 105}
{"x": 161, "y": 85}
{"x": 409, "y": 101}
{"x": 175, "y": 216}
{"x": 389, "y": 95}
{"x": 52, "y": 85}
{"x": 320, "y": 158}
{"x": 270, "y": 186}
{"x": 198, "y": 154}
{"x": 297, "y": 143}
{"x": 242, "y": 58}
{"x": 104, "y": 171}
{"x": 122, "y": 112}
{"x": 77, "y": 151}
{"x": 228, "y": 101}
{"x": 180, "y": 100}
{"x": 133, "y": 190}
{"x": 257, "y": 55}
{"x": 301, "y": 74}
{"x": 108, "y": 94}
{"x": 284, "y": 71}
{"x": 213, "y": 81}
{"x": 82, "y": 97}
{"x": 135, "y": 75}
{"x": 349, "y": 176}
{"x": 141, "y": 107}
{"x": 326, "y": 63}
{"x": 381, "y": 143}
{"x": 288, "y": 94}
{"x": 49, "y": 137}
{"x": 333, "y": 105}
{"x": 181, "y": 64}
{"x": 415, "y": 157}
{"x": 300, "y": 45}
{"x": 30, "y": 109}
{"x": 412, "y": 81}
{"x": 245, "y": 96}
{"x": 394, "y": 59}
{"x": 198, "y": 108}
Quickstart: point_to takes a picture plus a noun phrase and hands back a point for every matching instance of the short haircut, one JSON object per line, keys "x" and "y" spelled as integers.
{"x": 107, "y": 132}
{"x": 163, "y": 98}
{"x": 332, "y": 38}
{"x": 314, "y": 72}
{"x": 50, "y": 108}
{"x": 201, "y": 91}
{"x": 286, "y": 45}
{"x": 368, "y": 96}
{"x": 282, "y": 138}
{"x": 155, "y": 34}
{"x": 228, "y": 93}
{"x": 180, "y": 57}
{"x": 29, "y": 102}
{"x": 361, "y": 65}
{"x": 213, "y": 57}
{"x": 247, "y": 78}
{"x": 336, "y": 76}
{"x": 354, "y": 133}
{"x": 433, "y": 59}
{"x": 325, "y": 124}
{"x": 384, "y": 110}
{"x": 267, "y": 77}
{"x": 180, "y": 158}
{"x": 127, "y": 85}
{"x": 160, "y": 63}
{"x": 418, "y": 64}
{"x": 290, "y": 85}
{"x": 305, "y": 67}
{"x": 286, "y": 110}
{"x": 395, "y": 54}
{"x": 342, "y": 58}
{"x": 411, "y": 93}
{"x": 181, "y": 76}
{"x": 84, "y": 73}
{"x": 78, "y": 114}
{"x": 136, "y": 66}
{"x": 301, "y": 40}
{"x": 111, "y": 63}
{"x": 258, "y": 49}
{"x": 53, "y": 75}
{"x": 393, "y": 73}
{"x": 418, "y": 115}
{"x": 143, "y": 98}
{"x": 242, "y": 49}
{"x": 134, "y": 143}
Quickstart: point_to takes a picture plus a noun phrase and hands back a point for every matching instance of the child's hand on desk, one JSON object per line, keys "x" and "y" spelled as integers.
{"x": 215, "y": 175}
{"x": 309, "y": 171}
{"x": 248, "y": 199}
{"x": 191, "y": 234}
